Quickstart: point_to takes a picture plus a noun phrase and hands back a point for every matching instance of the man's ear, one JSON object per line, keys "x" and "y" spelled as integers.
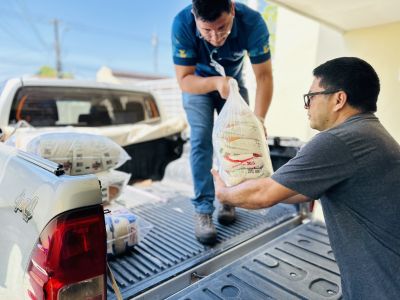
{"x": 341, "y": 100}
{"x": 233, "y": 8}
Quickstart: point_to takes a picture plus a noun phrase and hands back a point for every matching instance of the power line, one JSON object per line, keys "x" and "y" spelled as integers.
{"x": 113, "y": 33}
{"x": 34, "y": 19}
{"x": 80, "y": 27}
{"x": 26, "y": 15}
{"x": 154, "y": 43}
{"x": 12, "y": 34}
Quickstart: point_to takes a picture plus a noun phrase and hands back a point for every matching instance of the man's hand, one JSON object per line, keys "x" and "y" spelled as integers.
{"x": 222, "y": 86}
{"x": 262, "y": 121}
{"x": 220, "y": 186}
{"x": 263, "y": 73}
{"x": 254, "y": 193}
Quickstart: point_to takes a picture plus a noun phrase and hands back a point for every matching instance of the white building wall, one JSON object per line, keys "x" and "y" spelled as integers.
{"x": 380, "y": 46}
{"x": 296, "y": 49}
{"x": 301, "y": 45}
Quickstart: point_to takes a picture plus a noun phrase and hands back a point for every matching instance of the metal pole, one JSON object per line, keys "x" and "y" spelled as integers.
{"x": 154, "y": 43}
{"x": 57, "y": 49}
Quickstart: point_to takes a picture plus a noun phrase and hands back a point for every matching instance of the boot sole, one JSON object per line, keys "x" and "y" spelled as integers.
{"x": 226, "y": 221}
{"x": 208, "y": 240}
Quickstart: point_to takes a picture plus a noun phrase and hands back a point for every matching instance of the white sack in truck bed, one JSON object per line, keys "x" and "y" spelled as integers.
{"x": 79, "y": 153}
{"x": 113, "y": 183}
{"x": 121, "y": 134}
{"x": 239, "y": 141}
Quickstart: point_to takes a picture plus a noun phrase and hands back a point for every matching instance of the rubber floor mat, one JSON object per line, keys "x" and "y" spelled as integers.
{"x": 297, "y": 265}
{"x": 171, "y": 248}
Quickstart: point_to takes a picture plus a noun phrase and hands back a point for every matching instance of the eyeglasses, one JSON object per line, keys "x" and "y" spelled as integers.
{"x": 220, "y": 33}
{"x": 307, "y": 97}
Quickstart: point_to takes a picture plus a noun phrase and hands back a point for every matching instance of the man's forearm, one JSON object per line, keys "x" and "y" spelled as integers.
{"x": 198, "y": 85}
{"x": 299, "y": 198}
{"x": 263, "y": 95}
{"x": 255, "y": 193}
{"x": 249, "y": 194}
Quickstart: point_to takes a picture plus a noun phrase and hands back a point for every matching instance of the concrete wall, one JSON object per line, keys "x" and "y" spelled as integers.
{"x": 302, "y": 44}
{"x": 380, "y": 46}
{"x": 296, "y": 50}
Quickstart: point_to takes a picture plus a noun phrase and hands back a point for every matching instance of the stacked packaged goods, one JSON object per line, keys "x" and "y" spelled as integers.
{"x": 86, "y": 153}
{"x": 79, "y": 153}
{"x": 239, "y": 141}
{"x": 124, "y": 230}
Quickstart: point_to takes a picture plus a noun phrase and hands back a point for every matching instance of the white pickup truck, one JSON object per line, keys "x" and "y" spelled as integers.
{"x": 53, "y": 240}
{"x": 131, "y": 117}
{"x": 52, "y": 236}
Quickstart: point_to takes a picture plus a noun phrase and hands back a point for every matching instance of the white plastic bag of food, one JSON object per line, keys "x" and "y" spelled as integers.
{"x": 79, "y": 153}
{"x": 113, "y": 183}
{"x": 124, "y": 230}
{"x": 239, "y": 141}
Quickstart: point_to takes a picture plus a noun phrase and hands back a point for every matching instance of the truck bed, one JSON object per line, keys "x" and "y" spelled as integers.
{"x": 298, "y": 265}
{"x": 171, "y": 248}
{"x": 170, "y": 259}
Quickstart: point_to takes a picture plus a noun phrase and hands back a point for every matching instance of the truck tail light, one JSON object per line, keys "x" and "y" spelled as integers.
{"x": 69, "y": 259}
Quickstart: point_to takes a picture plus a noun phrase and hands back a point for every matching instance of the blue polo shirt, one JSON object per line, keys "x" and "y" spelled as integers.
{"x": 249, "y": 34}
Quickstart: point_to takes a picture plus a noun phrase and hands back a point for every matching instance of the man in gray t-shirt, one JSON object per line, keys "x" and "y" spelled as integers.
{"x": 353, "y": 166}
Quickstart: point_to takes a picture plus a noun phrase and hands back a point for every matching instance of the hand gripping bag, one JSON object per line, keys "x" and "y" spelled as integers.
{"x": 239, "y": 141}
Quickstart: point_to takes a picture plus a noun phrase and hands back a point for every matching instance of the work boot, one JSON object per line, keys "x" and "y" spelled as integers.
{"x": 226, "y": 214}
{"x": 204, "y": 229}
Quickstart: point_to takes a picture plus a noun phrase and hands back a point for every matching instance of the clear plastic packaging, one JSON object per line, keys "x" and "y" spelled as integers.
{"x": 239, "y": 141}
{"x": 113, "y": 183}
{"x": 124, "y": 230}
{"x": 79, "y": 153}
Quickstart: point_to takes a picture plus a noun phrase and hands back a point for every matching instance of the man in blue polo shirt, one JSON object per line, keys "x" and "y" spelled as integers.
{"x": 210, "y": 39}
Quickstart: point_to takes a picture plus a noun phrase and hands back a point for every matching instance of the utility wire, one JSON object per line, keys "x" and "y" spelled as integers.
{"x": 76, "y": 26}
{"x": 115, "y": 34}
{"x": 34, "y": 18}
{"x": 19, "y": 61}
{"x": 23, "y": 43}
{"x": 25, "y": 15}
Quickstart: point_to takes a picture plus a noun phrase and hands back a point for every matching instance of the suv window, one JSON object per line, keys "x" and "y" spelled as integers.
{"x": 62, "y": 106}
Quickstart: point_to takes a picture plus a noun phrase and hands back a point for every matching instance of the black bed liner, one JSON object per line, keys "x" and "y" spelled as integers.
{"x": 171, "y": 248}
{"x": 165, "y": 261}
{"x": 297, "y": 265}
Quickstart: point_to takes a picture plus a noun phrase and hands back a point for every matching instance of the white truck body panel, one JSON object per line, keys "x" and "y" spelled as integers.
{"x": 11, "y": 87}
{"x": 30, "y": 197}
{"x": 123, "y": 134}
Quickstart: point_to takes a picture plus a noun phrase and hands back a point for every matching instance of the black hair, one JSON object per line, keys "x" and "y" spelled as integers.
{"x": 210, "y": 10}
{"x": 355, "y": 77}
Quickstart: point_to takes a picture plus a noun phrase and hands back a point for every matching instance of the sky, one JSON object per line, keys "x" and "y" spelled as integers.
{"x": 93, "y": 33}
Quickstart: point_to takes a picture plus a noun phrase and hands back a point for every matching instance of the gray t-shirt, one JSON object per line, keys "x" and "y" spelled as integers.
{"x": 354, "y": 169}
